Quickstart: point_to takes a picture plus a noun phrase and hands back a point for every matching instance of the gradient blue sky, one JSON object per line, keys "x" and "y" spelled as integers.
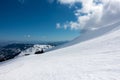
{"x": 34, "y": 20}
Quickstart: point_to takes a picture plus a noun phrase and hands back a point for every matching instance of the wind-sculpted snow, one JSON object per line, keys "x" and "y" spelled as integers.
{"x": 95, "y": 59}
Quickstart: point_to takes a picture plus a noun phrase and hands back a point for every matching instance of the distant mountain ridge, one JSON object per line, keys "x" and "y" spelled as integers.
{"x": 12, "y": 50}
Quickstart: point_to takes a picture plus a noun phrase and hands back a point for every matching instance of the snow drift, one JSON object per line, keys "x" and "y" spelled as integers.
{"x": 93, "y": 56}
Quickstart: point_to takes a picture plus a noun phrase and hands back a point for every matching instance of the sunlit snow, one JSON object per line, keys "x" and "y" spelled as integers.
{"x": 94, "y": 55}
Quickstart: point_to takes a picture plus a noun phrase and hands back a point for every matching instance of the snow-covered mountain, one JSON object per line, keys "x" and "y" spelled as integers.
{"x": 13, "y": 50}
{"x": 34, "y": 49}
{"x": 95, "y": 55}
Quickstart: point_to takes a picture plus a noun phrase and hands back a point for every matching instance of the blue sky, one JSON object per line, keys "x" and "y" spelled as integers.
{"x": 34, "y": 20}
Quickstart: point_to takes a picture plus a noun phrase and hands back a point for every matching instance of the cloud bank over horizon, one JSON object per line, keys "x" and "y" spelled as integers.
{"x": 93, "y": 13}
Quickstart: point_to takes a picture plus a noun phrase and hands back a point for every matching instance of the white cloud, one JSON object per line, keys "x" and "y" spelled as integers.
{"x": 58, "y": 26}
{"x": 94, "y": 13}
{"x": 68, "y": 1}
{"x": 27, "y": 36}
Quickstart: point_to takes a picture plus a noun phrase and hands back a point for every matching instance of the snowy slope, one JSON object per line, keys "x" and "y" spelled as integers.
{"x": 95, "y": 58}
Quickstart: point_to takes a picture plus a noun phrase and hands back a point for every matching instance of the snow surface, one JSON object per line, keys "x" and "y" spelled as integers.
{"x": 95, "y": 56}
